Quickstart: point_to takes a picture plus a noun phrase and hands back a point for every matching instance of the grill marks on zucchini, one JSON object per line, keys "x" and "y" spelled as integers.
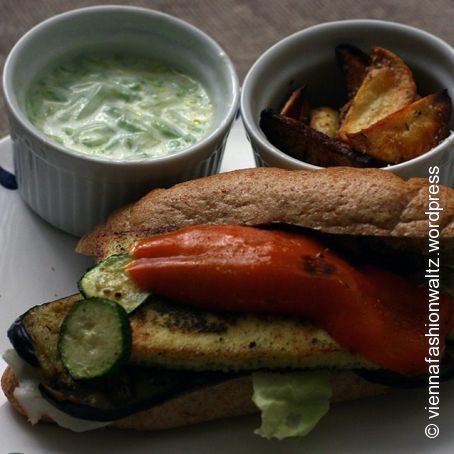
{"x": 95, "y": 338}
{"x": 108, "y": 279}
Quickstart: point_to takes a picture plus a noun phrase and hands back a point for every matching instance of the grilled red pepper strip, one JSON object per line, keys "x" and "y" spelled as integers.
{"x": 375, "y": 313}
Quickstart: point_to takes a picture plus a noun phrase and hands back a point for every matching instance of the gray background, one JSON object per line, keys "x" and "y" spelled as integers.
{"x": 244, "y": 28}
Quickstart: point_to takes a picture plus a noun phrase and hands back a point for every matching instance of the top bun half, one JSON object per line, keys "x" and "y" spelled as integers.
{"x": 339, "y": 200}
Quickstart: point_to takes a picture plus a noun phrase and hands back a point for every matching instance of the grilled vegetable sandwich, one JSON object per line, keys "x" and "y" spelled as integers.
{"x": 256, "y": 290}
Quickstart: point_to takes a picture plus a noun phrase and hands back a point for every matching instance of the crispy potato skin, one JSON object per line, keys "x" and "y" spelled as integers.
{"x": 407, "y": 133}
{"x": 387, "y": 88}
{"x": 384, "y": 118}
{"x": 354, "y": 63}
{"x": 343, "y": 111}
{"x": 325, "y": 120}
{"x": 297, "y": 106}
{"x": 304, "y": 143}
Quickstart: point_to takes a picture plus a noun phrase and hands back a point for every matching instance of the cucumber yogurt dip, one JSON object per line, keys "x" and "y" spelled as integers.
{"x": 121, "y": 107}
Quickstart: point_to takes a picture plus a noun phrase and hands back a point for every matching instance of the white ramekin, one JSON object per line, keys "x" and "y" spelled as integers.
{"x": 74, "y": 191}
{"x": 307, "y": 57}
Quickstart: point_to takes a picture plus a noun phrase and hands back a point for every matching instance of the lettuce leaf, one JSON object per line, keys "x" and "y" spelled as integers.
{"x": 291, "y": 403}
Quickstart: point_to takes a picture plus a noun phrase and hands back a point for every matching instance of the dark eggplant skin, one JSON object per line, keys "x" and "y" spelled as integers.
{"x": 395, "y": 380}
{"x": 188, "y": 382}
{"x": 22, "y": 342}
{"x": 87, "y": 412}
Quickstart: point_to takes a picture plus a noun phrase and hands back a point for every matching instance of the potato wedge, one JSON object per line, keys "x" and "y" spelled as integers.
{"x": 325, "y": 120}
{"x": 343, "y": 112}
{"x": 300, "y": 141}
{"x": 408, "y": 132}
{"x": 354, "y": 63}
{"x": 387, "y": 88}
{"x": 297, "y": 106}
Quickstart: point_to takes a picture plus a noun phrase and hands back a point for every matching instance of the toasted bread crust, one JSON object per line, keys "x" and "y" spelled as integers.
{"x": 224, "y": 400}
{"x": 337, "y": 200}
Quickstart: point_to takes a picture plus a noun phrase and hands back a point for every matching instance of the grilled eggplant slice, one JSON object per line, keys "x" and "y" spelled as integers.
{"x": 22, "y": 342}
{"x": 169, "y": 335}
{"x": 354, "y": 63}
{"x": 131, "y": 390}
{"x": 387, "y": 88}
{"x": 407, "y": 133}
{"x": 304, "y": 143}
{"x": 36, "y": 332}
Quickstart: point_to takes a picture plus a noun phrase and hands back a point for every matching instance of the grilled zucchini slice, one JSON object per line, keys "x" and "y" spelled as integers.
{"x": 95, "y": 338}
{"x": 108, "y": 279}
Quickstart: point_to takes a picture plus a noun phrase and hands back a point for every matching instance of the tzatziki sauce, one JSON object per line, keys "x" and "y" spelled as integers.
{"x": 119, "y": 106}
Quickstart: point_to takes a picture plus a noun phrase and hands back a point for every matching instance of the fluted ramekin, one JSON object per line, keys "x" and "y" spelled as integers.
{"x": 74, "y": 191}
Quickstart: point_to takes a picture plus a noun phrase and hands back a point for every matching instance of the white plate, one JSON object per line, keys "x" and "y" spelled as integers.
{"x": 37, "y": 264}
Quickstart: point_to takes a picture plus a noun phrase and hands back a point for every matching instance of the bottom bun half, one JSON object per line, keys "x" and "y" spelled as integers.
{"x": 223, "y": 400}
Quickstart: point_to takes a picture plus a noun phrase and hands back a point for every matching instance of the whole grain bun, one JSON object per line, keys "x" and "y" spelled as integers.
{"x": 338, "y": 200}
{"x": 224, "y": 400}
